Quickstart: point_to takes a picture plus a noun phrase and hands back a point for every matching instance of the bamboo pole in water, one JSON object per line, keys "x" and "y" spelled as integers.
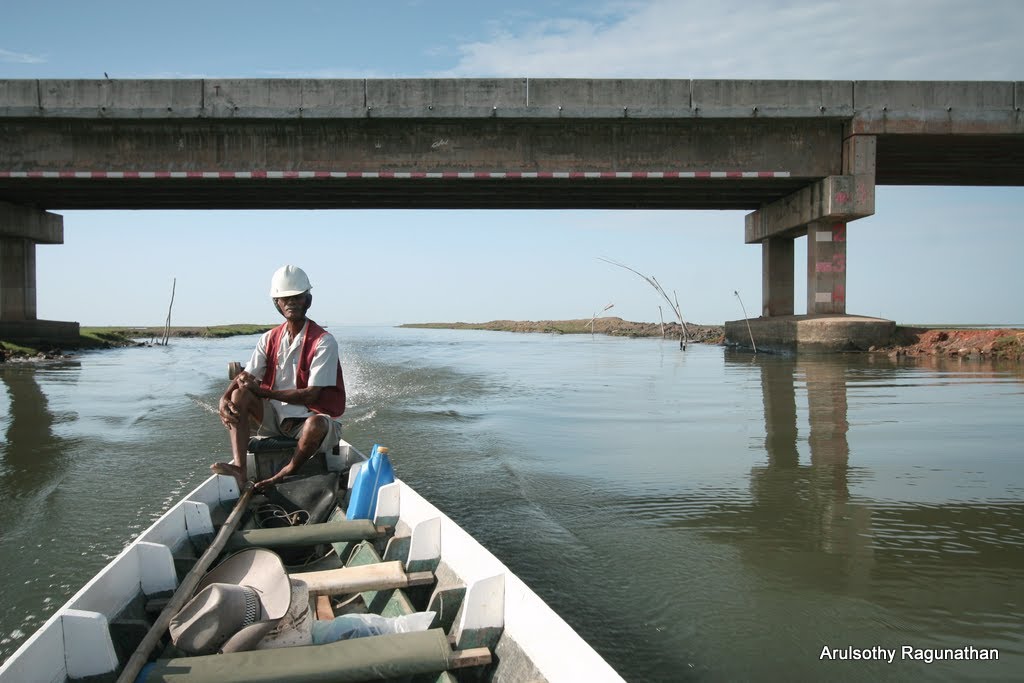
{"x": 653, "y": 282}
{"x": 595, "y": 318}
{"x": 746, "y": 319}
{"x": 184, "y": 591}
{"x": 167, "y": 323}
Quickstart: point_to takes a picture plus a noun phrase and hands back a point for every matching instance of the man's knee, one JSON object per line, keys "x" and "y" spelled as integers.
{"x": 315, "y": 428}
{"x": 248, "y": 404}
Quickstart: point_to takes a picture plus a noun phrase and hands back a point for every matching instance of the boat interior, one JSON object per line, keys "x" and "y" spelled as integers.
{"x": 377, "y": 566}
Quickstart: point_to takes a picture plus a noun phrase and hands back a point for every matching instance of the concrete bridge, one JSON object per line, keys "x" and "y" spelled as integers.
{"x": 803, "y": 157}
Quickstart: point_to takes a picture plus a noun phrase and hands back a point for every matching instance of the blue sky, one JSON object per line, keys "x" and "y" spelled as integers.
{"x": 939, "y": 255}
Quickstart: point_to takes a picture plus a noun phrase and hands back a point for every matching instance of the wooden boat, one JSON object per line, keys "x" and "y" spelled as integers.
{"x": 409, "y": 557}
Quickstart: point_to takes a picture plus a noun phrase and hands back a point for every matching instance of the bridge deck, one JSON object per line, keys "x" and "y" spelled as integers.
{"x": 75, "y": 144}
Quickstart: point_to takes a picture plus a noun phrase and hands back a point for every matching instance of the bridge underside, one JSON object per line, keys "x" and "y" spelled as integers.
{"x": 392, "y": 193}
{"x": 950, "y": 160}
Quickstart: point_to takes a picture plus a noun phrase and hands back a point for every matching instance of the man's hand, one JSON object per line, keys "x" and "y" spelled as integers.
{"x": 281, "y": 474}
{"x": 228, "y": 411}
{"x": 262, "y": 486}
{"x": 248, "y": 382}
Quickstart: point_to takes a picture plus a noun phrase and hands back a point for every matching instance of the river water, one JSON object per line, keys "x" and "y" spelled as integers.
{"x": 699, "y": 515}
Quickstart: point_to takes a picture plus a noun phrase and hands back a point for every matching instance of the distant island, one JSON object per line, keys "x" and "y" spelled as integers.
{"x": 705, "y": 334}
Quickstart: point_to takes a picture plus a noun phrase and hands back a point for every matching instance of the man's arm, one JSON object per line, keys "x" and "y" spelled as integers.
{"x": 303, "y": 397}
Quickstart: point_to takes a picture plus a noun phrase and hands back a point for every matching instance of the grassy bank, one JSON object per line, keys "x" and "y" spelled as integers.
{"x": 112, "y": 337}
{"x": 147, "y": 333}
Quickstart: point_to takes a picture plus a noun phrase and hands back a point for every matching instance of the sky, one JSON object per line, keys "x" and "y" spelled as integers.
{"x": 928, "y": 255}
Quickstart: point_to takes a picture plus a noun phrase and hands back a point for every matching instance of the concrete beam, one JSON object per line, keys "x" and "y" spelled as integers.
{"x": 283, "y": 98}
{"x": 831, "y": 199}
{"x": 19, "y": 98}
{"x": 30, "y": 223}
{"x": 860, "y": 154}
{"x": 766, "y": 99}
{"x": 937, "y": 107}
{"x": 446, "y": 97}
{"x": 875, "y": 106}
{"x": 116, "y": 99}
{"x": 609, "y": 98}
{"x": 446, "y": 144}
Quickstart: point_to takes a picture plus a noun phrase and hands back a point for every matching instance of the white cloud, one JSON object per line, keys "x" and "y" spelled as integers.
{"x": 871, "y": 39}
{"x": 20, "y": 57}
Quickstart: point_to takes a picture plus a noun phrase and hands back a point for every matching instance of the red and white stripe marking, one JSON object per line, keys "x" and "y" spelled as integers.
{"x": 398, "y": 175}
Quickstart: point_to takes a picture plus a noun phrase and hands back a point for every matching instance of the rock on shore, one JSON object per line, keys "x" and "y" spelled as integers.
{"x": 1000, "y": 344}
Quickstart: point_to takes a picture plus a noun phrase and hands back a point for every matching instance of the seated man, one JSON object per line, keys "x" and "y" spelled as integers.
{"x": 292, "y": 385}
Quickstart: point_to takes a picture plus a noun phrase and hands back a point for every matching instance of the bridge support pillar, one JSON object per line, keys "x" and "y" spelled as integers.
{"x": 826, "y": 268}
{"x": 777, "y": 276}
{"x": 821, "y": 211}
{"x": 21, "y": 229}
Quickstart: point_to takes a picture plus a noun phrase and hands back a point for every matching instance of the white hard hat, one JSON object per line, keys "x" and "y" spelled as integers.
{"x": 289, "y": 281}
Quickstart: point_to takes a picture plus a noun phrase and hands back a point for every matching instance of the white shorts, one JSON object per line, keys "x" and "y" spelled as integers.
{"x": 291, "y": 427}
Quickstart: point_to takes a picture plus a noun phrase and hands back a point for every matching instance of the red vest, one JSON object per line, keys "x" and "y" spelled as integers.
{"x": 331, "y": 401}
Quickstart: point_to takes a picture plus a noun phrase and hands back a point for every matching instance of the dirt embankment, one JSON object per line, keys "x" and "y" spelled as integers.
{"x": 995, "y": 344}
{"x": 710, "y": 334}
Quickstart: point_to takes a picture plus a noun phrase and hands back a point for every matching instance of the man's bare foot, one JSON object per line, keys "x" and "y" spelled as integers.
{"x": 230, "y": 470}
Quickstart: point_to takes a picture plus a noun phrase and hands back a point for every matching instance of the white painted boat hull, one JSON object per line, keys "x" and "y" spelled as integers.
{"x": 75, "y": 641}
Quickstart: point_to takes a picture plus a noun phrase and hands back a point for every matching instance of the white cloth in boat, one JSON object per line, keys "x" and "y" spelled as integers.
{"x": 235, "y": 605}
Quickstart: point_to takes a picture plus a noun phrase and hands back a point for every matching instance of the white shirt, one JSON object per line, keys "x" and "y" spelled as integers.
{"x": 322, "y": 369}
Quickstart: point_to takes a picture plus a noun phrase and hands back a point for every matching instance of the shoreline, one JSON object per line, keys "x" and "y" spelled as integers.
{"x": 969, "y": 341}
{"x": 612, "y": 326}
{"x": 112, "y": 337}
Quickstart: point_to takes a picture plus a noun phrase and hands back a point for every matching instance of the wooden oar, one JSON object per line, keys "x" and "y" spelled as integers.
{"x": 184, "y": 591}
{"x": 370, "y": 577}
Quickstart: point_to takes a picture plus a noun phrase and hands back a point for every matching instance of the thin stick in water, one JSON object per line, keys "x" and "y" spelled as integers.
{"x": 595, "y": 318}
{"x": 746, "y": 319}
{"x": 167, "y": 324}
{"x": 653, "y": 282}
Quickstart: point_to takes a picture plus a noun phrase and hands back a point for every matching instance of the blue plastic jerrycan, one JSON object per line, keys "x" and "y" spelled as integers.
{"x": 376, "y": 472}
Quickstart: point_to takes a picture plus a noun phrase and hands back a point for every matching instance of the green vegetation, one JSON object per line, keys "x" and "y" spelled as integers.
{"x": 111, "y": 337}
{"x": 16, "y": 349}
{"x": 128, "y": 334}
{"x": 1008, "y": 345}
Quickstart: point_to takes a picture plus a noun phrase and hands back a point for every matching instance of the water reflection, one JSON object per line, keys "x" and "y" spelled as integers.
{"x": 808, "y": 507}
{"x": 949, "y": 568}
{"x": 33, "y": 454}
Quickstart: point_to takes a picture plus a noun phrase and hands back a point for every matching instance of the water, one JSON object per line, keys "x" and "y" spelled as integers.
{"x": 705, "y": 515}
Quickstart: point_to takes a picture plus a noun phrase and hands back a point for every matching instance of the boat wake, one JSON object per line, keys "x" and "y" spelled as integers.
{"x": 204, "y": 404}
{"x": 363, "y": 418}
